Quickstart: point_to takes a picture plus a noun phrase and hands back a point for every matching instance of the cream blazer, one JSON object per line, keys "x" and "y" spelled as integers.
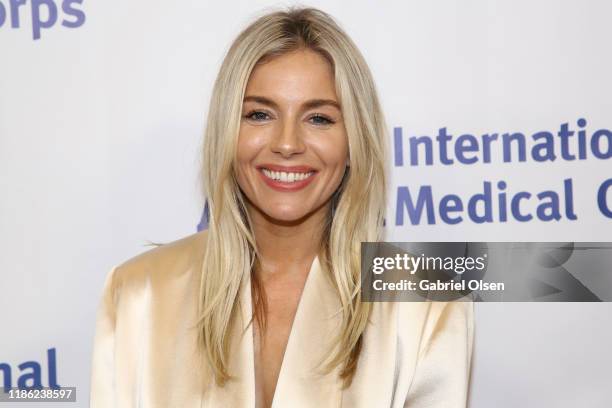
{"x": 414, "y": 354}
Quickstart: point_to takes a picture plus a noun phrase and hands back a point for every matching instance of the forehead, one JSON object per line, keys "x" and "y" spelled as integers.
{"x": 298, "y": 75}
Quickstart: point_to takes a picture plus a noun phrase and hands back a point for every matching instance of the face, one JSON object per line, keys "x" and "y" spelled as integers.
{"x": 292, "y": 148}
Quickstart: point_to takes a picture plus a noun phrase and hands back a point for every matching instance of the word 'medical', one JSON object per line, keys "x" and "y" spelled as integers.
{"x": 29, "y": 375}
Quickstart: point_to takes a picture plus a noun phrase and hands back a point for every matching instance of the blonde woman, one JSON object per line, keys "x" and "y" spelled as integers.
{"x": 263, "y": 309}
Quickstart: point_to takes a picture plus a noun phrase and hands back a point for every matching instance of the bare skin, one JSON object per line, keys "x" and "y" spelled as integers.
{"x": 291, "y": 117}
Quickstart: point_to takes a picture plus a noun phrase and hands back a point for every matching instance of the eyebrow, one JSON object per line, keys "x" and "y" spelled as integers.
{"x": 313, "y": 103}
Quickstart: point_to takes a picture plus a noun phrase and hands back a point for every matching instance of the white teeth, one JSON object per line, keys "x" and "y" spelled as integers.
{"x": 286, "y": 177}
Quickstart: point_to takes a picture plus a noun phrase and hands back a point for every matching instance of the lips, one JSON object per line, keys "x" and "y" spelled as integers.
{"x": 286, "y": 178}
{"x": 287, "y": 169}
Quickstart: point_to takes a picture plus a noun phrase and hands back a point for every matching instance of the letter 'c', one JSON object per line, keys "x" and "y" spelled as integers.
{"x": 603, "y": 204}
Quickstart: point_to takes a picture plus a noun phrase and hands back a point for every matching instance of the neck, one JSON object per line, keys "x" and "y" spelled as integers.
{"x": 284, "y": 245}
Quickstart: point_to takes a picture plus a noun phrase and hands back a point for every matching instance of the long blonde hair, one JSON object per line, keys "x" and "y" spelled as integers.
{"x": 357, "y": 207}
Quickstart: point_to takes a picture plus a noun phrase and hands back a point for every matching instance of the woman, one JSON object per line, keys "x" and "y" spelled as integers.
{"x": 264, "y": 308}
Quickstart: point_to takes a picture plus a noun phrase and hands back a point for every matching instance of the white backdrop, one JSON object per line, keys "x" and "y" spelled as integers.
{"x": 101, "y": 119}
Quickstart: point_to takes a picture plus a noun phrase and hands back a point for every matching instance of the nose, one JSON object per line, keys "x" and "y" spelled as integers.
{"x": 288, "y": 139}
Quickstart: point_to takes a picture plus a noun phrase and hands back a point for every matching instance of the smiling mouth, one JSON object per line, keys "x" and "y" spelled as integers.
{"x": 286, "y": 177}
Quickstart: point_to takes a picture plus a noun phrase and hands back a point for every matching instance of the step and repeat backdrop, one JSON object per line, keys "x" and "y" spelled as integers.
{"x": 500, "y": 129}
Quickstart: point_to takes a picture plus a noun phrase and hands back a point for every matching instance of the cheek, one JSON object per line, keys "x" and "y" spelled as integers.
{"x": 333, "y": 150}
{"x": 245, "y": 153}
{"x": 249, "y": 145}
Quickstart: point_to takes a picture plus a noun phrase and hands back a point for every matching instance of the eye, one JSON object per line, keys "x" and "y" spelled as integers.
{"x": 319, "y": 119}
{"x": 257, "y": 116}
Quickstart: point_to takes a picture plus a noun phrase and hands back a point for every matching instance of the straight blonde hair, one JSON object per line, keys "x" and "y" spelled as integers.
{"x": 357, "y": 207}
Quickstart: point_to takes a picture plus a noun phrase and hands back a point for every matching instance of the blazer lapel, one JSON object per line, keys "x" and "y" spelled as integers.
{"x": 300, "y": 382}
{"x": 240, "y": 391}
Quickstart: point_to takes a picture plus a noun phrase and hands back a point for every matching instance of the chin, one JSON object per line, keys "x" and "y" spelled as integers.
{"x": 286, "y": 214}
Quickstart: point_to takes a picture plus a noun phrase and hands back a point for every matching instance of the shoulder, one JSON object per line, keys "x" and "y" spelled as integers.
{"x": 456, "y": 315}
{"x": 427, "y": 319}
{"x": 169, "y": 260}
{"x": 447, "y": 322}
{"x": 428, "y": 313}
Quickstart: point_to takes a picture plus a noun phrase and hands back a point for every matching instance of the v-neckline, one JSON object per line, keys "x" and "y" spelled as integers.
{"x": 249, "y": 335}
{"x": 301, "y": 383}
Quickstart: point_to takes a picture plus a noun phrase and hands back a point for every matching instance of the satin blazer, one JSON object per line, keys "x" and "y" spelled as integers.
{"x": 414, "y": 354}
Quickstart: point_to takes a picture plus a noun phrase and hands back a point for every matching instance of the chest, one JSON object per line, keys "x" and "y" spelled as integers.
{"x": 282, "y": 300}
